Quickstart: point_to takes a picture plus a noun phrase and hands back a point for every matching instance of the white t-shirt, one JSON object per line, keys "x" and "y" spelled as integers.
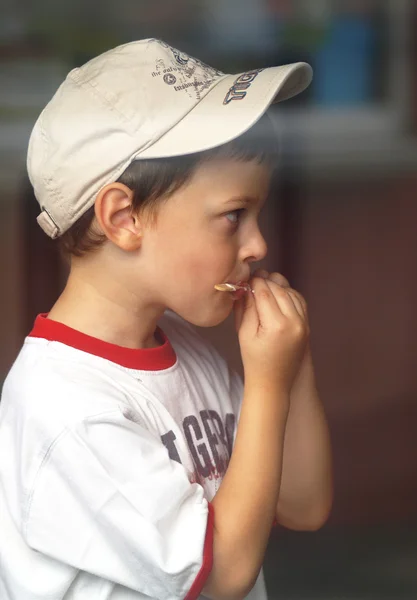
{"x": 109, "y": 459}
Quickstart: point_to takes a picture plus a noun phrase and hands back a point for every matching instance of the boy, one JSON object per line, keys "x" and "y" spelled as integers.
{"x": 117, "y": 421}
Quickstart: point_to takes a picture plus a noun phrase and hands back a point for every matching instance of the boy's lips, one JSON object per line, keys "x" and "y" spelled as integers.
{"x": 238, "y": 294}
{"x": 240, "y": 282}
{"x": 235, "y": 289}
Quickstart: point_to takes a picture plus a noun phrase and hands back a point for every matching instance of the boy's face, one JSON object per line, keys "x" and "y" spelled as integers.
{"x": 207, "y": 233}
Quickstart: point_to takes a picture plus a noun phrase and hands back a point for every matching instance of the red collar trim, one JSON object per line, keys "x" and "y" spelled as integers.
{"x": 146, "y": 359}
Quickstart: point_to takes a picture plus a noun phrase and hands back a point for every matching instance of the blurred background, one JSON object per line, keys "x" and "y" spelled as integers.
{"x": 342, "y": 228}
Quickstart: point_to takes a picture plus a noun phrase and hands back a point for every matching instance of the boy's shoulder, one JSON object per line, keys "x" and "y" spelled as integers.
{"x": 66, "y": 385}
{"x": 54, "y": 379}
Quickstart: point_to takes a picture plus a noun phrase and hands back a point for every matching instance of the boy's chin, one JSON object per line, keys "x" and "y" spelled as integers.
{"x": 208, "y": 319}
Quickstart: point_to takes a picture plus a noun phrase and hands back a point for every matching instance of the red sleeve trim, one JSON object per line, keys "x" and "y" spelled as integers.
{"x": 207, "y": 565}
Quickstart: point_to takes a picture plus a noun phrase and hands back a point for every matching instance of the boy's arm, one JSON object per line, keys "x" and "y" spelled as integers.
{"x": 306, "y": 490}
{"x": 244, "y": 507}
{"x": 272, "y": 335}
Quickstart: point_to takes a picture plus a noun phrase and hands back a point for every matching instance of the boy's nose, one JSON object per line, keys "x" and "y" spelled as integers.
{"x": 257, "y": 249}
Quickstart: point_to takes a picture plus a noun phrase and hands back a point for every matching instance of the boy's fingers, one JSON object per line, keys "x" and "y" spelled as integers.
{"x": 283, "y": 283}
{"x": 266, "y": 306}
{"x": 289, "y": 300}
{"x": 276, "y": 277}
{"x": 261, "y": 273}
{"x": 297, "y": 303}
{"x": 246, "y": 311}
{"x": 238, "y": 313}
{"x": 301, "y": 300}
{"x": 301, "y": 305}
{"x": 269, "y": 302}
{"x": 279, "y": 279}
{"x": 282, "y": 299}
{"x": 243, "y": 305}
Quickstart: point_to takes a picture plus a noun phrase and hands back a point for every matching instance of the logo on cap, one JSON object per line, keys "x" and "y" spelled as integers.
{"x": 239, "y": 89}
{"x": 170, "y": 79}
{"x": 181, "y": 57}
{"x": 184, "y": 72}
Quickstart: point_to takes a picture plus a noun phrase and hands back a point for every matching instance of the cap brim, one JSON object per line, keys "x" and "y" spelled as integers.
{"x": 212, "y": 122}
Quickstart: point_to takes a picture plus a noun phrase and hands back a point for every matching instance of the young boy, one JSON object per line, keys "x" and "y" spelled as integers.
{"x": 117, "y": 421}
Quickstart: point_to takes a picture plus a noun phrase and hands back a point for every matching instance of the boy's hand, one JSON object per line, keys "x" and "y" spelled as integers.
{"x": 272, "y": 328}
{"x": 283, "y": 282}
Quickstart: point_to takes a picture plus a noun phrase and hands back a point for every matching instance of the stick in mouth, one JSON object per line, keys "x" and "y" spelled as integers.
{"x": 232, "y": 287}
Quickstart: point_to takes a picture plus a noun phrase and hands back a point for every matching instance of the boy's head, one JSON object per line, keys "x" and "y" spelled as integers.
{"x": 152, "y": 182}
{"x": 143, "y": 154}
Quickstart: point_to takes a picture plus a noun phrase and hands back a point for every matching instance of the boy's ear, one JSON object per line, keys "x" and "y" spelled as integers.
{"x": 113, "y": 210}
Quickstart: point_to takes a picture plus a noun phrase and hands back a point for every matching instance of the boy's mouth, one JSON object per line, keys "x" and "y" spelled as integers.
{"x": 239, "y": 293}
{"x": 240, "y": 286}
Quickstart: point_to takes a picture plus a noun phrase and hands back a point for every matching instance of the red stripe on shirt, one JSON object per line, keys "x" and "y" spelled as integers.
{"x": 207, "y": 565}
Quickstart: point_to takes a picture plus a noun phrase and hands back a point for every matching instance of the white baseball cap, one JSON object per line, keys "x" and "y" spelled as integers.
{"x": 137, "y": 101}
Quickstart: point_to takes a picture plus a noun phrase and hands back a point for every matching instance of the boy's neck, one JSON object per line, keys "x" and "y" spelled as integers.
{"x": 94, "y": 310}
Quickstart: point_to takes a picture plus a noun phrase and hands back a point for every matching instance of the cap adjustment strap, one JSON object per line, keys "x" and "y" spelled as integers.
{"x": 48, "y": 225}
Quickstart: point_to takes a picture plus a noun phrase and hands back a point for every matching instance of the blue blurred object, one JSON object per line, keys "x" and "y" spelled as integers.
{"x": 343, "y": 63}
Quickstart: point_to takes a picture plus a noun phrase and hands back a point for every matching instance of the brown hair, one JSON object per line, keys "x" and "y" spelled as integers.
{"x": 153, "y": 182}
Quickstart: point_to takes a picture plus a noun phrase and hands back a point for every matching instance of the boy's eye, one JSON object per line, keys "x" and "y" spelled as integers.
{"x": 236, "y": 214}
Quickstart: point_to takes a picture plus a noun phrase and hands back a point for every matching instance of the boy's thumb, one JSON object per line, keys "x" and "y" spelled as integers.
{"x": 238, "y": 313}
{"x": 243, "y": 309}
